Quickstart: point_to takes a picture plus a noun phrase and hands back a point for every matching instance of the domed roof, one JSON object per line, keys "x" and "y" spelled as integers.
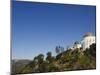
{"x": 76, "y": 42}
{"x": 88, "y": 34}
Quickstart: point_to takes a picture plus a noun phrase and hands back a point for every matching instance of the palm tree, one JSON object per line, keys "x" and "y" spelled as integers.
{"x": 62, "y": 49}
{"x": 57, "y": 49}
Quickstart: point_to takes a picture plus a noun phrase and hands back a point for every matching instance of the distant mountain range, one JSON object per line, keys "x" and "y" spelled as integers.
{"x": 18, "y": 63}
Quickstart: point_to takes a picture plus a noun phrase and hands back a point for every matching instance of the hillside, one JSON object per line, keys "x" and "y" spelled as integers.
{"x": 18, "y": 64}
{"x": 67, "y": 60}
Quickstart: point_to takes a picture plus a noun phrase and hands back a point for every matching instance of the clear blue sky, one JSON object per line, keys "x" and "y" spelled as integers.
{"x": 39, "y": 27}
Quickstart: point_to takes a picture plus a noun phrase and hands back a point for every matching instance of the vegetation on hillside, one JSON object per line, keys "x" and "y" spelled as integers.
{"x": 66, "y": 60}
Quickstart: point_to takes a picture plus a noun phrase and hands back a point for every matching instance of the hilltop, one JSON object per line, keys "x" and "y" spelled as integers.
{"x": 67, "y": 60}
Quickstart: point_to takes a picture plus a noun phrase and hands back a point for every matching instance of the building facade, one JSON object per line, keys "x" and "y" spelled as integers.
{"x": 88, "y": 39}
{"x": 77, "y": 45}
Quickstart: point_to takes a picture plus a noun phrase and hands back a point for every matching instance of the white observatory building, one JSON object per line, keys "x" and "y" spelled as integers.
{"x": 77, "y": 45}
{"x": 88, "y": 39}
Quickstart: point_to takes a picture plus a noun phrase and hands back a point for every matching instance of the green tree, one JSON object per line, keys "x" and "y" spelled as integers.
{"x": 91, "y": 51}
{"x": 40, "y": 58}
{"x": 49, "y": 57}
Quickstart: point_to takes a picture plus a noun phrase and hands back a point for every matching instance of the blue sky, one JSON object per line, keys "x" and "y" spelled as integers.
{"x": 39, "y": 27}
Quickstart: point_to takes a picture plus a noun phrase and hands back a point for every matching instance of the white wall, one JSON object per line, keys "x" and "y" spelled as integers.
{"x": 77, "y": 46}
{"x": 87, "y": 41}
